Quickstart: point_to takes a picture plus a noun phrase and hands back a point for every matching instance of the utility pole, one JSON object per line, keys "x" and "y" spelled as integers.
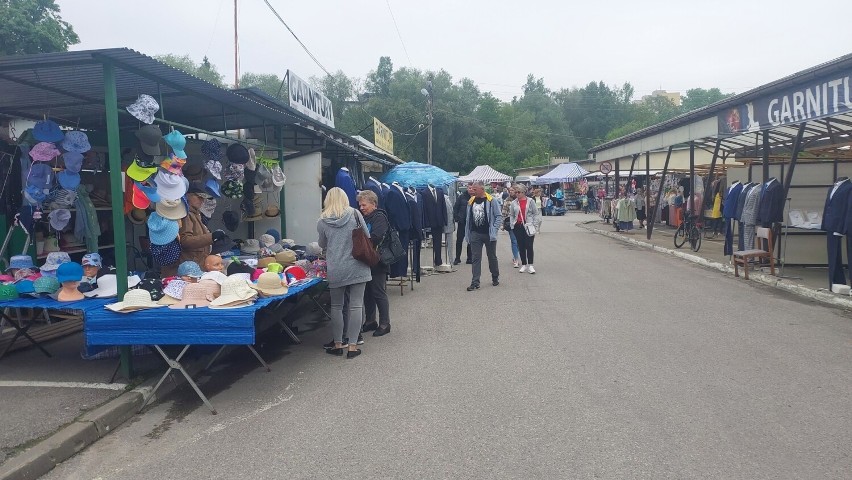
{"x": 236, "y": 50}
{"x": 427, "y": 92}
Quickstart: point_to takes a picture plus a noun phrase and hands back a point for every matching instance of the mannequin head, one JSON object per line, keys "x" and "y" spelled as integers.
{"x": 213, "y": 263}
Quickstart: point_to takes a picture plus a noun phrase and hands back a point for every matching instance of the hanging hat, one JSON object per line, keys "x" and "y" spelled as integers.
{"x": 235, "y": 172}
{"x": 269, "y": 284}
{"x": 162, "y": 230}
{"x": 170, "y": 186}
{"x": 92, "y": 260}
{"x": 195, "y": 295}
{"x": 197, "y": 187}
{"x": 272, "y": 210}
{"x": 286, "y": 257}
{"x": 138, "y": 172}
{"x": 212, "y": 187}
{"x": 231, "y": 220}
{"x": 68, "y": 180}
{"x": 215, "y": 168}
{"x": 34, "y": 196}
{"x": 212, "y": 149}
{"x": 137, "y": 198}
{"x": 144, "y": 108}
{"x": 171, "y": 209}
{"x": 44, "y": 152}
{"x": 237, "y": 154}
{"x": 154, "y": 286}
{"x": 59, "y": 218}
{"x": 47, "y": 131}
{"x": 189, "y": 269}
{"x": 232, "y": 189}
{"x": 167, "y": 254}
{"x": 222, "y": 245}
{"x": 39, "y": 175}
{"x": 208, "y": 207}
{"x": 250, "y": 246}
{"x": 266, "y": 240}
{"x": 136, "y": 299}
{"x": 62, "y": 198}
{"x": 76, "y": 142}
{"x": 137, "y": 216}
{"x": 143, "y": 159}
{"x": 73, "y": 161}
{"x": 20, "y": 261}
{"x": 193, "y": 170}
{"x": 53, "y": 261}
{"x": 177, "y": 141}
{"x": 45, "y": 284}
{"x": 278, "y": 177}
{"x": 149, "y": 139}
{"x": 69, "y": 272}
{"x": 234, "y": 291}
{"x": 150, "y": 191}
{"x": 108, "y": 285}
{"x": 173, "y": 164}
{"x": 252, "y": 161}
{"x": 252, "y": 209}
{"x": 250, "y": 176}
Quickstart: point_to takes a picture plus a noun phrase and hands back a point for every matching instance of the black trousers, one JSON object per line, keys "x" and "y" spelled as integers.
{"x": 741, "y": 235}
{"x": 376, "y": 298}
{"x": 729, "y": 237}
{"x": 525, "y": 245}
{"x": 835, "y": 258}
{"x": 437, "y": 235}
{"x": 415, "y": 258}
{"x": 460, "y": 241}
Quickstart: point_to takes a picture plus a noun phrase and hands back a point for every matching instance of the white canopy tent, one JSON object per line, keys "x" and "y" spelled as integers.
{"x": 485, "y": 174}
{"x": 564, "y": 172}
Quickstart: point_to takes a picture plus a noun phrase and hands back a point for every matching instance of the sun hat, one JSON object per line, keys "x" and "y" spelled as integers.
{"x": 286, "y": 257}
{"x": 269, "y": 284}
{"x": 193, "y": 170}
{"x": 8, "y": 292}
{"x": 92, "y": 259}
{"x": 266, "y": 240}
{"x": 53, "y": 261}
{"x": 212, "y": 187}
{"x": 166, "y": 254}
{"x": 69, "y": 272}
{"x": 137, "y": 216}
{"x": 214, "y": 289}
{"x": 68, "y": 180}
{"x": 108, "y": 285}
{"x": 177, "y": 141}
{"x": 265, "y": 261}
{"x": 59, "y": 218}
{"x": 275, "y": 267}
{"x": 208, "y": 207}
{"x": 217, "y": 277}
{"x": 212, "y": 149}
{"x": 45, "y": 284}
{"x": 150, "y": 137}
{"x": 237, "y": 154}
{"x": 173, "y": 164}
{"x": 138, "y": 172}
{"x": 136, "y": 299}
{"x": 293, "y": 274}
{"x": 39, "y": 175}
{"x": 232, "y": 189}
{"x": 170, "y": 186}
{"x": 25, "y": 287}
{"x": 154, "y": 286}
{"x": 144, "y": 108}
{"x": 234, "y": 290}
{"x": 76, "y": 142}
{"x": 250, "y": 246}
{"x": 47, "y": 131}
{"x": 278, "y": 177}
{"x": 20, "y": 261}
{"x": 73, "y": 161}
{"x": 215, "y": 168}
{"x": 34, "y": 195}
{"x": 235, "y": 172}
{"x": 222, "y": 245}
{"x": 194, "y": 295}
{"x": 174, "y": 288}
{"x": 137, "y": 198}
{"x": 272, "y": 210}
{"x": 44, "y": 152}
{"x": 162, "y": 230}
{"x": 189, "y": 269}
{"x": 231, "y": 219}
{"x": 276, "y": 235}
{"x": 171, "y": 209}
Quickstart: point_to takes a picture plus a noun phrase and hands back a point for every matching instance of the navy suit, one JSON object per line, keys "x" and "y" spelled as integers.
{"x": 399, "y": 215}
{"x": 771, "y": 207}
{"x": 434, "y": 218}
{"x": 835, "y": 218}
{"x": 729, "y": 210}
{"x": 344, "y": 181}
{"x": 375, "y": 187}
{"x": 415, "y": 234}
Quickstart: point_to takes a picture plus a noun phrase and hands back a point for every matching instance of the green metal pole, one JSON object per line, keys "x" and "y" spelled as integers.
{"x": 279, "y": 132}
{"x": 115, "y": 182}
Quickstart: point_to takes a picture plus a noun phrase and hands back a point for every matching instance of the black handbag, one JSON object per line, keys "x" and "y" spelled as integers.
{"x": 390, "y": 249}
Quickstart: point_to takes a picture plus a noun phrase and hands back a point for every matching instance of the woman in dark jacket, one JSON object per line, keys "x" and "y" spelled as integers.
{"x": 375, "y": 295}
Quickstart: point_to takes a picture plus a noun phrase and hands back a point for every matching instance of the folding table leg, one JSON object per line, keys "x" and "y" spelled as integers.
{"x": 175, "y": 365}
{"x": 288, "y": 331}
{"x": 210, "y": 363}
{"x": 258, "y": 357}
{"x": 21, "y": 332}
{"x": 317, "y": 303}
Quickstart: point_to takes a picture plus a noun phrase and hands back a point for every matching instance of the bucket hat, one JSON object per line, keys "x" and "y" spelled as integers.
{"x": 25, "y": 274}
{"x": 162, "y": 230}
{"x": 276, "y": 247}
{"x": 171, "y": 209}
{"x": 76, "y": 142}
{"x": 250, "y": 246}
{"x": 189, "y": 269}
{"x": 173, "y": 164}
{"x": 138, "y": 199}
{"x": 69, "y": 272}
{"x": 154, "y": 286}
{"x": 213, "y": 288}
{"x": 44, "y": 152}
{"x": 167, "y": 254}
{"x": 47, "y": 131}
{"x": 194, "y": 295}
{"x": 217, "y": 277}
{"x": 275, "y": 267}
{"x": 276, "y": 235}
{"x": 73, "y": 161}
{"x": 193, "y": 169}
{"x": 232, "y": 189}
{"x": 234, "y": 291}
{"x": 34, "y": 195}
{"x": 136, "y": 299}
{"x": 68, "y": 180}
{"x": 92, "y": 259}
{"x": 53, "y": 261}
{"x": 62, "y": 198}
{"x": 138, "y": 172}
{"x": 20, "y": 261}
{"x": 46, "y": 285}
{"x": 25, "y": 287}
{"x": 278, "y": 177}
{"x": 144, "y": 108}
{"x": 150, "y": 137}
{"x": 269, "y": 284}
{"x": 8, "y": 292}
{"x": 265, "y": 261}
{"x": 174, "y": 288}
{"x": 266, "y": 240}
{"x": 59, "y": 218}
{"x": 39, "y": 175}
{"x": 231, "y": 219}
{"x": 222, "y": 245}
{"x": 149, "y": 190}
{"x": 235, "y": 172}
{"x": 215, "y": 168}
{"x": 212, "y": 187}
{"x": 177, "y": 141}
{"x": 237, "y": 154}
{"x": 208, "y": 207}
{"x": 108, "y": 285}
{"x": 251, "y": 206}
{"x": 286, "y": 257}
{"x": 170, "y": 186}
{"x": 137, "y": 216}
{"x": 212, "y": 149}
{"x": 272, "y": 210}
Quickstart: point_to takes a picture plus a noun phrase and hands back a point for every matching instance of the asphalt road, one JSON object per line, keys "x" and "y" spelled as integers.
{"x": 610, "y": 362}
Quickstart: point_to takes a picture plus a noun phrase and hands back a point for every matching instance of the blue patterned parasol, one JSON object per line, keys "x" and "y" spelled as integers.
{"x": 414, "y": 174}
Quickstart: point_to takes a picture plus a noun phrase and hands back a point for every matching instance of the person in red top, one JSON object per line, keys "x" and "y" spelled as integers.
{"x": 523, "y": 213}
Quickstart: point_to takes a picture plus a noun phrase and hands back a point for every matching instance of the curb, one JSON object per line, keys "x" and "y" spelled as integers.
{"x": 768, "y": 280}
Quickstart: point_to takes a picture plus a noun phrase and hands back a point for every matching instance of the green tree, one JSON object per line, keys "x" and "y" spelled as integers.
{"x": 378, "y": 81}
{"x": 33, "y": 26}
{"x": 696, "y": 98}
{"x": 267, "y": 82}
{"x": 205, "y": 70}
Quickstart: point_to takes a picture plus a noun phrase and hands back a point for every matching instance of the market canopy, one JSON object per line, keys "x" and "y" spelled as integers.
{"x": 485, "y": 174}
{"x": 564, "y": 172}
{"x": 415, "y": 174}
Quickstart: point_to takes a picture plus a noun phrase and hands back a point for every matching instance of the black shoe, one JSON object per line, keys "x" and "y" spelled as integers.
{"x": 352, "y": 353}
{"x": 329, "y": 345}
{"x": 370, "y": 326}
{"x": 457, "y": 261}
{"x": 335, "y": 351}
{"x": 381, "y": 331}
{"x": 468, "y": 261}
{"x": 360, "y": 339}
{"x": 472, "y": 288}
{"x": 495, "y": 282}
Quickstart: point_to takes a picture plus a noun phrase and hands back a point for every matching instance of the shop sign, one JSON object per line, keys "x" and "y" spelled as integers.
{"x": 382, "y": 136}
{"x": 823, "y": 97}
{"x": 308, "y": 100}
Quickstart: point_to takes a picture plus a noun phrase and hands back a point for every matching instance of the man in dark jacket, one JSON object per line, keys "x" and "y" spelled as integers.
{"x": 459, "y": 216}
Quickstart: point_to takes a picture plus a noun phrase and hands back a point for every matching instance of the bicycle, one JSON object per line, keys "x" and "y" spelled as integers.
{"x": 688, "y": 231}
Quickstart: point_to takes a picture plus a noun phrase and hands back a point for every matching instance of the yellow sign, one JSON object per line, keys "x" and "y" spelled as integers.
{"x": 383, "y": 136}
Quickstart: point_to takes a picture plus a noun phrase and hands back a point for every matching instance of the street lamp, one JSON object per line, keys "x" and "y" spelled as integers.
{"x": 427, "y": 92}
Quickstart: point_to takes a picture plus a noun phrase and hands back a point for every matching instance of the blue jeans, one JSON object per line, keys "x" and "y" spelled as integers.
{"x": 515, "y": 252}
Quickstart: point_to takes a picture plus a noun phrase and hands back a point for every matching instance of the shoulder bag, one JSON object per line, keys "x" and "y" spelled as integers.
{"x": 362, "y": 248}
{"x": 390, "y": 249}
{"x": 528, "y": 227}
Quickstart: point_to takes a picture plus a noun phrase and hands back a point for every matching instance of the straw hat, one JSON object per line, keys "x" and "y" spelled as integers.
{"x": 195, "y": 295}
{"x": 269, "y": 284}
{"x": 235, "y": 292}
{"x": 214, "y": 289}
{"x": 136, "y": 299}
{"x": 265, "y": 261}
{"x": 286, "y": 257}
{"x": 171, "y": 209}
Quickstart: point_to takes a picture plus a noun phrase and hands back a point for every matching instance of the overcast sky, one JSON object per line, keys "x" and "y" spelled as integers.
{"x": 673, "y": 45}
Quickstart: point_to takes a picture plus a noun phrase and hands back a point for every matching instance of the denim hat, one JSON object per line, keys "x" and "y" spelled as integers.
{"x": 76, "y": 142}
{"x": 47, "y": 131}
{"x": 53, "y": 261}
{"x": 237, "y": 154}
{"x": 144, "y": 108}
{"x": 177, "y": 141}
{"x": 69, "y": 272}
{"x": 44, "y": 152}
{"x": 39, "y": 175}
{"x": 73, "y": 161}
{"x": 92, "y": 259}
{"x": 21, "y": 261}
{"x": 68, "y": 180}
{"x": 34, "y": 195}
{"x": 161, "y": 230}
{"x": 45, "y": 284}
{"x": 189, "y": 269}
{"x": 212, "y": 187}
{"x": 149, "y": 139}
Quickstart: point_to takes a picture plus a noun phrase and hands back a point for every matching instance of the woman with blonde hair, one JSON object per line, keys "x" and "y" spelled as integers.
{"x": 346, "y": 275}
{"x": 525, "y": 219}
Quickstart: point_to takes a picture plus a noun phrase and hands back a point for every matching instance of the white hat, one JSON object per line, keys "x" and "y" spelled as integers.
{"x": 108, "y": 286}
{"x": 267, "y": 240}
{"x": 59, "y": 218}
{"x": 136, "y": 299}
{"x": 217, "y": 277}
{"x": 250, "y": 246}
{"x": 170, "y": 186}
{"x": 235, "y": 290}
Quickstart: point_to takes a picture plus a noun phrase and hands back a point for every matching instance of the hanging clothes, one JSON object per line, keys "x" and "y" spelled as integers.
{"x": 625, "y": 213}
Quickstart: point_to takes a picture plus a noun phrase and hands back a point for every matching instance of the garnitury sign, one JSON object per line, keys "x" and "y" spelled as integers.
{"x": 818, "y": 98}
{"x": 382, "y": 136}
{"x": 308, "y": 100}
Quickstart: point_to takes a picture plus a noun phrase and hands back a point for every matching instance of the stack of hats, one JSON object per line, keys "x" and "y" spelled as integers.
{"x": 52, "y": 263}
{"x": 163, "y": 234}
{"x": 39, "y": 177}
{"x": 236, "y": 292}
{"x": 173, "y": 291}
{"x": 134, "y": 300}
{"x": 269, "y": 285}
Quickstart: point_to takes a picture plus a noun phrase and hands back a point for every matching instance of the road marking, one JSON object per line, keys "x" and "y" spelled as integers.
{"x": 97, "y": 386}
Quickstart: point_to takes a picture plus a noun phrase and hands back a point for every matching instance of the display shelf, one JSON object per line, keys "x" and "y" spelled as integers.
{"x": 81, "y": 249}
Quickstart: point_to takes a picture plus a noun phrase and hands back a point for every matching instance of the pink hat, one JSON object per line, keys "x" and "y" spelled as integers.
{"x": 44, "y": 152}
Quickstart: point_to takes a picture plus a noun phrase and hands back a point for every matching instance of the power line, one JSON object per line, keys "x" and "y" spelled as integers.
{"x": 296, "y": 37}
{"x": 398, "y": 34}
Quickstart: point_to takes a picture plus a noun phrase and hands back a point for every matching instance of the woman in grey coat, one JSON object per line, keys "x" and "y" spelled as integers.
{"x": 346, "y": 275}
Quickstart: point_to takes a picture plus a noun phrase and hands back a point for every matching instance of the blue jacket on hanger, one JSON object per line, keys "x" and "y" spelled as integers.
{"x": 374, "y": 186}
{"x": 729, "y": 210}
{"x": 399, "y": 213}
{"x": 344, "y": 181}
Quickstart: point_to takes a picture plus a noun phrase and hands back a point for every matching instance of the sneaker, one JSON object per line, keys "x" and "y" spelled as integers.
{"x": 523, "y": 269}
{"x": 382, "y": 331}
{"x": 472, "y": 288}
{"x": 328, "y": 345}
{"x": 457, "y": 261}
{"x": 516, "y": 264}
{"x": 531, "y": 269}
{"x": 360, "y": 339}
{"x": 369, "y": 326}
{"x": 469, "y": 262}
{"x": 495, "y": 282}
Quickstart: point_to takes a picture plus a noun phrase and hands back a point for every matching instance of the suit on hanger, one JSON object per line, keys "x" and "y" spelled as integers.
{"x": 834, "y": 220}
{"x": 434, "y": 218}
{"x": 399, "y": 215}
{"x": 374, "y": 186}
{"x": 344, "y": 181}
{"x": 728, "y": 211}
{"x": 749, "y": 219}
{"x": 771, "y": 209}
{"x": 738, "y": 214}
{"x": 415, "y": 233}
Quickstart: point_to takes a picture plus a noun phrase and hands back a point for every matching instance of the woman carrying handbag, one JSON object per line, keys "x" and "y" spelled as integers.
{"x": 526, "y": 220}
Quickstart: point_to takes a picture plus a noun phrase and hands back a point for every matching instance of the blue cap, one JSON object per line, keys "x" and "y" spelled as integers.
{"x": 177, "y": 141}
{"x": 25, "y": 286}
{"x": 69, "y": 272}
{"x": 275, "y": 234}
